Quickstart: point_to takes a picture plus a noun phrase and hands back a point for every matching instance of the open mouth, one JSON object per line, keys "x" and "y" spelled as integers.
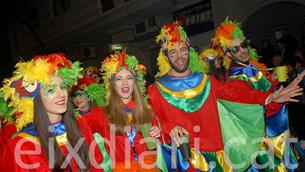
{"x": 180, "y": 62}
{"x": 125, "y": 89}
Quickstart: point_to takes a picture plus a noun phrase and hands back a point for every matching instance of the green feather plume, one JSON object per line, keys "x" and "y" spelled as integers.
{"x": 96, "y": 92}
{"x": 70, "y": 76}
{"x": 5, "y": 111}
{"x": 132, "y": 62}
{"x": 195, "y": 64}
{"x": 252, "y": 53}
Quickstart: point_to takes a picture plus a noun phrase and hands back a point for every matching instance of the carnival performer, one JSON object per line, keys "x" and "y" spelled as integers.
{"x": 49, "y": 138}
{"x": 213, "y": 63}
{"x": 127, "y": 123}
{"x": 88, "y": 94}
{"x": 242, "y": 63}
{"x": 189, "y": 102}
{"x": 88, "y": 97}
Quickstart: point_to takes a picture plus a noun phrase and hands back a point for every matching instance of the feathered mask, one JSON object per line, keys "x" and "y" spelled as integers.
{"x": 225, "y": 33}
{"x": 169, "y": 35}
{"x": 118, "y": 61}
{"x": 89, "y": 83}
{"x": 21, "y": 89}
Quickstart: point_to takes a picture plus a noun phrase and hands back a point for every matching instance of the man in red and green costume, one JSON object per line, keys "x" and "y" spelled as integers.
{"x": 189, "y": 102}
{"x": 241, "y": 63}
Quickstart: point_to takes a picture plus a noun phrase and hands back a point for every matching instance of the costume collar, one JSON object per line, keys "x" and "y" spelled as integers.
{"x": 180, "y": 83}
{"x": 130, "y": 105}
{"x": 83, "y": 112}
{"x": 128, "y": 109}
{"x": 59, "y": 129}
{"x": 249, "y": 70}
{"x": 195, "y": 90}
{"x": 250, "y": 74}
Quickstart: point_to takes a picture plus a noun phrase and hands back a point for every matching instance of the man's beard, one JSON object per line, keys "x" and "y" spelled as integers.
{"x": 177, "y": 69}
{"x": 241, "y": 61}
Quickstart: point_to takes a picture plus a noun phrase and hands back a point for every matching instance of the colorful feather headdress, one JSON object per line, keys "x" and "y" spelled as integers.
{"x": 225, "y": 33}
{"x": 21, "y": 89}
{"x": 209, "y": 55}
{"x": 170, "y": 34}
{"x": 89, "y": 83}
{"x": 118, "y": 61}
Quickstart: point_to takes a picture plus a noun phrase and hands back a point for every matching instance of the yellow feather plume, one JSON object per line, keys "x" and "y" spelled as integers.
{"x": 34, "y": 70}
{"x": 163, "y": 64}
{"x": 26, "y": 106}
{"x": 207, "y": 53}
{"x": 227, "y": 62}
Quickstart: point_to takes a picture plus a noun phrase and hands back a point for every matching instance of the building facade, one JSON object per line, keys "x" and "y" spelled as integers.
{"x": 84, "y": 29}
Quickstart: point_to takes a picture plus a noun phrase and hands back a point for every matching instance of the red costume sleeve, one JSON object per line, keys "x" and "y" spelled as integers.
{"x": 166, "y": 126}
{"x": 6, "y": 131}
{"x": 20, "y": 160}
{"x": 96, "y": 120}
{"x": 271, "y": 108}
{"x": 26, "y": 155}
{"x": 95, "y": 152}
{"x": 238, "y": 91}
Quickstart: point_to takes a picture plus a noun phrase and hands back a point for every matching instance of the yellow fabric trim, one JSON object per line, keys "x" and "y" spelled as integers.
{"x": 61, "y": 139}
{"x": 281, "y": 168}
{"x": 30, "y": 138}
{"x": 129, "y": 116}
{"x": 189, "y": 93}
{"x": 222, "y": 161}
{"x": 278, "y": 143}
{"x": 255, "y": 78}
{"x": 198, "y": 161}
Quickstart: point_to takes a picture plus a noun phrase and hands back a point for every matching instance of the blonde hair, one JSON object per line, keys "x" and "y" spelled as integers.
{"x": 116, "y": 114}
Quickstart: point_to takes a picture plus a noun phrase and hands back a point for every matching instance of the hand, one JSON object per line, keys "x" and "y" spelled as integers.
{"x": 286, "y": 94}
{"x": 154, "y": 132}
{"x": 177, "y": 134}
{"x": 297, "y": 80}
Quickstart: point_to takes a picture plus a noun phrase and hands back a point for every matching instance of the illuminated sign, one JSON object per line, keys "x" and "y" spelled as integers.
{"x": 196, "y": 18}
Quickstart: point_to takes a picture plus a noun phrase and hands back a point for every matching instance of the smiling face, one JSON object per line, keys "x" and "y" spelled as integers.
{"x": 239, "y": 51}
{"x": 124, "y": 84}
{"x": 178, "y": 57}
{"x": 54, "y": 96}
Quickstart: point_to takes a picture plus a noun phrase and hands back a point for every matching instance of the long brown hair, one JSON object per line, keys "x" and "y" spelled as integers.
{"x": 116, "y": 114}
{"x": 42, "y": 123}
{"x": 218, "y": 73}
